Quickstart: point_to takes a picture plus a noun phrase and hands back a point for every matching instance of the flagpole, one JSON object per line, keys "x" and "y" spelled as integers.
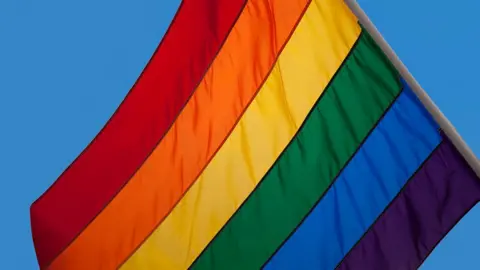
{"x": 444, "y": 123}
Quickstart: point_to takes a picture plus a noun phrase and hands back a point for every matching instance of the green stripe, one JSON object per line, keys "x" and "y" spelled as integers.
{"x": 357, "y": 97}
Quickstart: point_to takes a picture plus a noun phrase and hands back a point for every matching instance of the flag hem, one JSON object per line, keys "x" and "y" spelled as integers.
{"x": 422, "y": 95}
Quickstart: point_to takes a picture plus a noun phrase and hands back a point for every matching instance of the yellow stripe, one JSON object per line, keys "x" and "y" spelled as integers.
{"x": 320, "y": 43}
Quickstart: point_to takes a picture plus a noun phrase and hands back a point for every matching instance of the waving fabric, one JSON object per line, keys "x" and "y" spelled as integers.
{"x": 263, "y": 134}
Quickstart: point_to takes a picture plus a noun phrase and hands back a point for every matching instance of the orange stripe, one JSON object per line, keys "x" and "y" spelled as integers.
{"x": 226, "y": 90}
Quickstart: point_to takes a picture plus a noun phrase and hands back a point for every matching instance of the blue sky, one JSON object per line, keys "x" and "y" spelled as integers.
{"x": 66, "y": 65}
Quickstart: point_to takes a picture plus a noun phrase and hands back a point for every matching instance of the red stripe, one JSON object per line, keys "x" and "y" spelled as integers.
{"x": 195, "y": 36}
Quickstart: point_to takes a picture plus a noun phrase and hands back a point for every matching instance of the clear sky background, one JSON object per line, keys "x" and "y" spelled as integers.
{"x": 66, "y": 65}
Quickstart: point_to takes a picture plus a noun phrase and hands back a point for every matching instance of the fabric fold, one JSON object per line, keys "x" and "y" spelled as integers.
{"x": 363, "y": 89}
{"x": 401, "y": 142}
{"x": 138, "y": 124}
{"x": 311, "y": 57}
{"x": 230, "y": 84}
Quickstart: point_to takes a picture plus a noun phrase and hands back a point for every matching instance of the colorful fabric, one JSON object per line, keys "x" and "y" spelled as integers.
{"x": 144, "y": 116}
{"x": 283, "y": 139}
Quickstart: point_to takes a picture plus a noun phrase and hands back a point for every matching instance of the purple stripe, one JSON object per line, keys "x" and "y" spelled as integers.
{"x": 434, "y": 200}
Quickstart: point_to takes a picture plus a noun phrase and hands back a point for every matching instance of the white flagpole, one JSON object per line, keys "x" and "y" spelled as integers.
{"x": 446, "y": 126}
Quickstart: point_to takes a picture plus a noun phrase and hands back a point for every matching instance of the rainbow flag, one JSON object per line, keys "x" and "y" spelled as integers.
{"x": 262, "y": 134}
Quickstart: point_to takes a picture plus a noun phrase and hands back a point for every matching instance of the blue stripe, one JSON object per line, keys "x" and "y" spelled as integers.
{"x": 390, "y": 155}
